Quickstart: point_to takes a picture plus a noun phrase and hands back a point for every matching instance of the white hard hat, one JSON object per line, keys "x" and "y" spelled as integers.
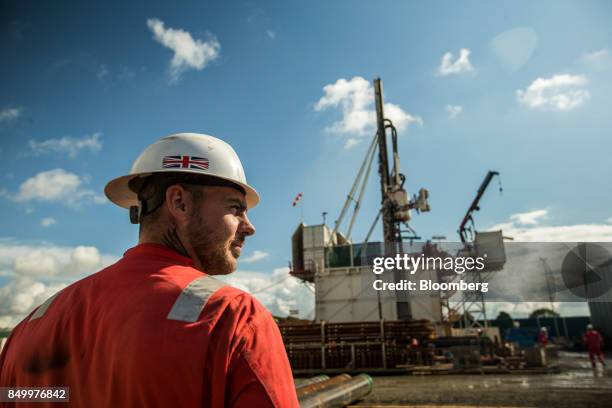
{"x": 190, "y": 153}
{"x": 589, "y": 327}
{"x": 543, "y": 329}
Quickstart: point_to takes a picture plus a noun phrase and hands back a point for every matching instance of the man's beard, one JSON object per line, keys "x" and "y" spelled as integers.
{"x": 212, "y": 251}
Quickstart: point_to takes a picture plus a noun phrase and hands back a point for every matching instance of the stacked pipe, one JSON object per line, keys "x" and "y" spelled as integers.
{"x": 357, "y": 331}
{"x": 353, "y": 345}
{"x": 335, "y": 392}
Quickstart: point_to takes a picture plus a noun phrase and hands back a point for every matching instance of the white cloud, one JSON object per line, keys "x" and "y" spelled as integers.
{"x": 400, "y": 119}
{"x": 527, "y": 227}
{"x": 453, "y": 111}
{"x": 256, "y": 256}
{"x": 188, "y": 53}
{"x": 519, "y": 310}
{"x": 9, "y": 114}
{"x": 49, "y": 185}
{"x": 279, "y": 298}
{"x": 126, "y": 74}
{"x": 351, "y": 142}
{"x": 597, "y": 59}
{"x": 255, "y": 13}
{"x": 529, "y": 218}
{"x": 561, "y": 92}
{"x": 355, "y": 98}
{"x": 55, "y": 185}
{"x": 20, "y": 296}
{"x": 37, "y": 272}
{"x": 47, "y": 222}
{"x": 50, "y": 261}
{"x": 271, "y": 34}
{"x": 102, "y": 72}
{"x": 70, "y": 145}
{"x": 461, "y": 64}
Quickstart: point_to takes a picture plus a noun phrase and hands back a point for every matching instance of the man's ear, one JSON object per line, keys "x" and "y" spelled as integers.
{"x": 178, "y": 202}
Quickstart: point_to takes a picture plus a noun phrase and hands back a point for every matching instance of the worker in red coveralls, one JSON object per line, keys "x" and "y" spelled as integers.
{"x": 157, "y": 329}
{"x": 594, "y": 343}
{"x": 413, "y": 352}
{"x": 543, "y": 337}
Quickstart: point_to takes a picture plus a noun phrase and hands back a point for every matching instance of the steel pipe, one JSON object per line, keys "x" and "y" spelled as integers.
{"x": 340, "y": 394}
{"x": 312, "y": 380}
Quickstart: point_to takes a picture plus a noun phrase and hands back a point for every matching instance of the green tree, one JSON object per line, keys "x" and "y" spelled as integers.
{"x": 503, "y": 316}
{"x": 543, "y": 312}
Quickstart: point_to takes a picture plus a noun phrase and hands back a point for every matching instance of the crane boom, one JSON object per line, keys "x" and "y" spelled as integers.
{"x": 474, "y": 205}
{"x": 351, "y": 195}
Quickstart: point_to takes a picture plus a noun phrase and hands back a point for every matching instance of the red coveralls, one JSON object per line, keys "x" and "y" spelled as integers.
{"x": 152, "y": 331}
{"x": 543, "y": 338}
{"x": 593, "y": 341}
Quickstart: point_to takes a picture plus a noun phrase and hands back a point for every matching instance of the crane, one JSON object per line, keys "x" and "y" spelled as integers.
{"x": 463, "y": 229}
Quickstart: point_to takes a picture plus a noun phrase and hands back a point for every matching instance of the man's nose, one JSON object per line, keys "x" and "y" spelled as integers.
{"x": 246, "y": 227}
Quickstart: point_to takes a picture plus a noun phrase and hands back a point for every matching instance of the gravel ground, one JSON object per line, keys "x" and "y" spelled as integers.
{"x": 576, "y": 386}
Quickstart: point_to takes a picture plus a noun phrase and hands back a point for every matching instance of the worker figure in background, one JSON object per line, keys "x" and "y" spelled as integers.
{"x": 415, "y": 354}
{"x": 543, "y": 337}
{"x": 156, "y": 329}
{"x": 594, "y": 344}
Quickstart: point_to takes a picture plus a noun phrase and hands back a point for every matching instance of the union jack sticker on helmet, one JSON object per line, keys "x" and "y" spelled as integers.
{"x": 185, "y": 162}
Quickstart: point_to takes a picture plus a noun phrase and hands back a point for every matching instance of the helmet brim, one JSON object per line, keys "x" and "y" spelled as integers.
{"x": 119, "y": 192}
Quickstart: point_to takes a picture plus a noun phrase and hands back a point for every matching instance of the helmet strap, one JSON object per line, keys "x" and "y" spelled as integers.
{"x": 146, "y": 206}
{"x": 135, "y": 214}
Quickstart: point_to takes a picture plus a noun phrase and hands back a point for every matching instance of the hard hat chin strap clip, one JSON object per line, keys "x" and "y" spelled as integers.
{"x": 136, "y": 213}
{"x": 144, "y": 207}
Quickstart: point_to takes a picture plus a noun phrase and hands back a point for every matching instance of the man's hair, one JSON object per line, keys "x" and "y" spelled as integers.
{"x": 152, "y": 190}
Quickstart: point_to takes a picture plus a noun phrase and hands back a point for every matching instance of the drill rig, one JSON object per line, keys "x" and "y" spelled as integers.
{"x": 396, "y": 205}
{"x": 340, "y": 268}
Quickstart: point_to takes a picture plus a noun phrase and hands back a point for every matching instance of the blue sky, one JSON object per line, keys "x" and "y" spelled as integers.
{"x": 87, "y": 86}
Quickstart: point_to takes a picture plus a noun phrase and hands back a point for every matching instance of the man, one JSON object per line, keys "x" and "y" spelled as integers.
{"x": 156, "y": 329}
{"x": 543, "y": 337}
{"x": 594, "y": 343}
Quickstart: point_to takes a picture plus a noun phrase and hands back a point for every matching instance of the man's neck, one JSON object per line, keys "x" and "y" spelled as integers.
{"x": 171, "y": 240}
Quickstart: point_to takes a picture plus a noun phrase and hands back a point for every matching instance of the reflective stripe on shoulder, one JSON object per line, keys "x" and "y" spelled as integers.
{"x": 40, "y": 312}
{"x": 193, "y": 298}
